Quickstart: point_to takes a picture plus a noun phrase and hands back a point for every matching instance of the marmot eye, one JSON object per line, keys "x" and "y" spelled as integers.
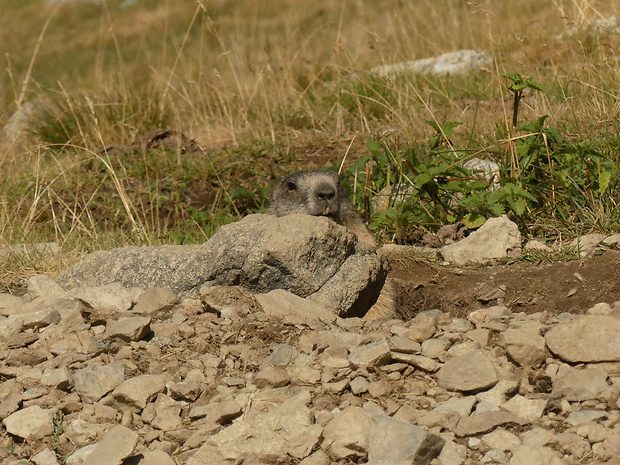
{"x": 291, "y": 186}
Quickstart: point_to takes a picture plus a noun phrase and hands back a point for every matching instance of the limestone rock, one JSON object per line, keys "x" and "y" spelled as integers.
{"x": 589, "y": 338}
{"x": 496, "y": 238}
{"x": 346, "y": 435}
{"x": 95, "y": 381}
{"x": 292, "y": 308}
{"x": 31, "y": 423}
{"x": 525, "y": 346}
{"x": 528, "y": 455}
{"x": 138, "y": 391}
{"x": 370, "y": 355}
{"x": 154, "y": 300}
{"x": 580, "y": 385}
{"x": 132, "y": 328}
{"x": 394, "y": 442}
{"x": 117, "y": 444}
{"x": 455, "y": 63}
{"x": 470, "y": 372}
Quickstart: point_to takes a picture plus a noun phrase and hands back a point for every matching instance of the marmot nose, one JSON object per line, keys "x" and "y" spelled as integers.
{"x": 325, "y": 196}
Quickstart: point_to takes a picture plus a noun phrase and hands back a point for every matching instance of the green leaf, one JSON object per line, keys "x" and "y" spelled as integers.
{"x": 474, "y": 220}
{"x": 518, "y": 205}
{"x": 603, "y": 182}
{"x": 373, "y": 146}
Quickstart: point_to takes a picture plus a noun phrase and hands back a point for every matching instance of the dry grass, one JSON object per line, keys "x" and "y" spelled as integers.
{"x": 262, "y": 83}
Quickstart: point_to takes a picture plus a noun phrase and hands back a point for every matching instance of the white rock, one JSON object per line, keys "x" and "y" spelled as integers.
{"x": 497, "y": 238}
{"x": 455, "y": 63}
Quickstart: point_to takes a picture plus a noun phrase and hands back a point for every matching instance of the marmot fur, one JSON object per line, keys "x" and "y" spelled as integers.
{"x": 318, "y": 193}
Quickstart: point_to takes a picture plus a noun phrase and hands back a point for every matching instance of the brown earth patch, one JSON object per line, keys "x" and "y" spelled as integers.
{"x": 572, "y": 286}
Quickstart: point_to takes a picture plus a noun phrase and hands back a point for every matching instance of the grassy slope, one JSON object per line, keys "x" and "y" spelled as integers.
{"x": 265, "y": 87}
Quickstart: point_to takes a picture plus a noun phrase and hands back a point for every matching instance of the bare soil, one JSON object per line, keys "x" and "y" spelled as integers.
{"x": 572, "y": 286}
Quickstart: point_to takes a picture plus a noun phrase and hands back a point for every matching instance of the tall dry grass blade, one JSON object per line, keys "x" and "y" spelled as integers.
{"x": 35, "y": 53}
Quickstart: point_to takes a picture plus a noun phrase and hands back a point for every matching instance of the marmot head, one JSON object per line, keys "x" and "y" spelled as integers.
{"x": 316, "y": 193}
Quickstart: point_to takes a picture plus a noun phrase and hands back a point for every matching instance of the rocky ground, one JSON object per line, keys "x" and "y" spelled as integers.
{"x": 113, "y": 375}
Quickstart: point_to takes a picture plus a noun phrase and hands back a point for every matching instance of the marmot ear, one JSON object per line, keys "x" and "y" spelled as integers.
{"x": 291, "y": 186}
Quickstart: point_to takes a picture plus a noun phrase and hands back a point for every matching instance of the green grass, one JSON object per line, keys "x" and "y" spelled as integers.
{"x": 268, "y": 87}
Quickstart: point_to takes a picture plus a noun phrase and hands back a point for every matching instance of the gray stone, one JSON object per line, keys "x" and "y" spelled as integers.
{"x": 580, "y": 385}
{"x": 11, "y": 305}
{"x": 584, "y": 417}
{"x": 310, "y": 256}
{"x": 470, "y": 372}
{"x": 462, "y": 406}
{"x": 589, "y": 338}
{"x": 501, "y": 439}
{"x": 224, "y": 412}
{"x": 452, "y": 454}
{"x": 40, "y": 319}
{"x": 395, "y": 442}
{"x": 117, "y": 444}
{"x": 497, "y": 238}
{"x": 151, "y": 457}
{"x": 95, "y": 381}
{"x": 317, "y": 458}
{"x": 10, "y": 327}
{"x": 359, "y": 385}
{"x": 422, "y": 328}
{"x": 586, "y": 244}
{"x": 31, "y": 423}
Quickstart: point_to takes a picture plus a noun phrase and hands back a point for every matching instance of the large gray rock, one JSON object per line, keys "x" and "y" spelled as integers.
{"x": 590, "y": 338}
{"x": 496, "y": 238}
{"x": 307, "y": 255}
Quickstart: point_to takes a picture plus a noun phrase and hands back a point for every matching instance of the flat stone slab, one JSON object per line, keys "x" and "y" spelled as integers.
{"x": 589, "y": 338}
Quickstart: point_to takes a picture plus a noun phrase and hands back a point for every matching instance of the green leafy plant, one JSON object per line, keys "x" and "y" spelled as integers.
{"x": 517, "y": 85}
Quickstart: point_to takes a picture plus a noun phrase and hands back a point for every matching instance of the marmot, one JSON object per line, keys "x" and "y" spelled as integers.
{"x": 318, "y": 193}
